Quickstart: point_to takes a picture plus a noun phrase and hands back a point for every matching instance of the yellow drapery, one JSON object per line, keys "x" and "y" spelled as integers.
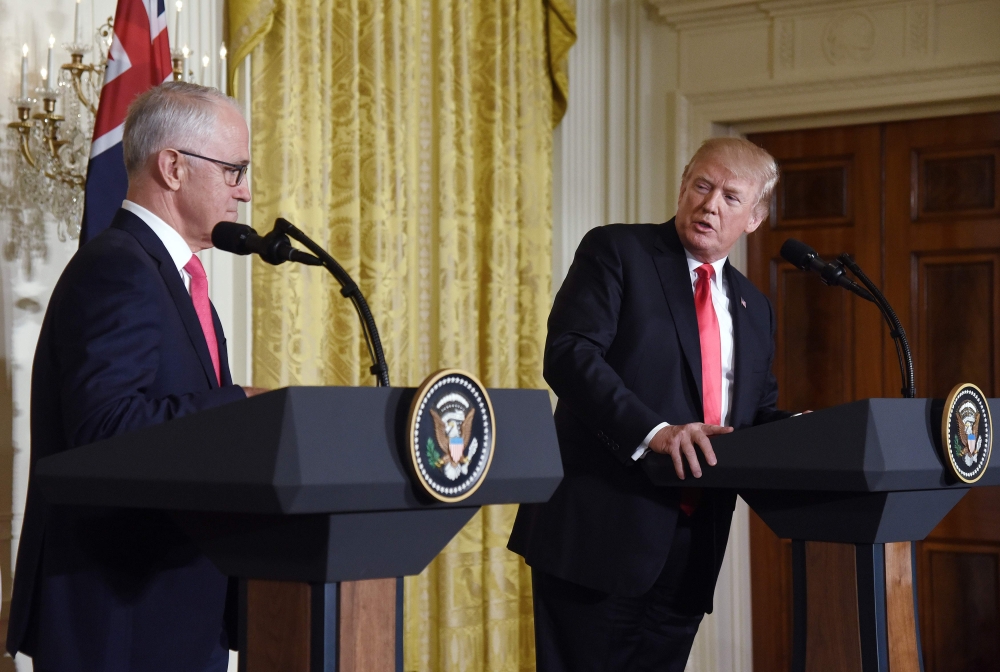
{"x": 412, "y": 139}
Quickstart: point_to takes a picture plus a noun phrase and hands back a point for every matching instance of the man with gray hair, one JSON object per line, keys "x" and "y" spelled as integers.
{"x": 655, "y": 343}
{"x": 130, "y": 339}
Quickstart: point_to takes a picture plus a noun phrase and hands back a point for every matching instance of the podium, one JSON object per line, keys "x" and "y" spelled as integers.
{"x": 304, "y": 494}
{"x": 867, "y": 473}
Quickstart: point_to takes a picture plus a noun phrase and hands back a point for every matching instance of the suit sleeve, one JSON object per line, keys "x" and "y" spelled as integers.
{"x": 107, "y": 346}
{"x": 767, "y": 410}
{"x": 581, "y": 328}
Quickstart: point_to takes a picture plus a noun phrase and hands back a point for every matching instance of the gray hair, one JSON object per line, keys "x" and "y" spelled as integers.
{"x": 746, "y": 161}
{"x": 168, "y": 115}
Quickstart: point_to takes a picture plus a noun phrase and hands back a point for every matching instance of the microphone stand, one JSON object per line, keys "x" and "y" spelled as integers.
{"x": 350, "y": 290}
{"x": 903, "y": 353}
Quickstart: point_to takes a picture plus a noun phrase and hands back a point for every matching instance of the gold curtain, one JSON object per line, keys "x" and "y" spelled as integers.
{"x": 412, "y": 139}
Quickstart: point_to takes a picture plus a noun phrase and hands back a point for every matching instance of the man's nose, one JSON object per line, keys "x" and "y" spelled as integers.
{"x": 712, "y": 201}
{"x": 243, "y": 190}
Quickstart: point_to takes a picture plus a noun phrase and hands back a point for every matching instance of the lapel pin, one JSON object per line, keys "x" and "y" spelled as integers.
{"x": 743, "y": 302}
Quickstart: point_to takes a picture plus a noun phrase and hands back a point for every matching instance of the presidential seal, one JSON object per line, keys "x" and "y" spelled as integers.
{"x": 451, "y": 435}
{"x": 966, "y": 433}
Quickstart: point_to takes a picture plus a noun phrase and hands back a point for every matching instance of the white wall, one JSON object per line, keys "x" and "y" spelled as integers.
{"x": 611, "y": 154}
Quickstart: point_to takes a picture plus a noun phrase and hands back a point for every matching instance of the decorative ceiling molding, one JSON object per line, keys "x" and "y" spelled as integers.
{"x": 685, "y": 14}
{"x": 862, "y": 85}
{"x": 681, "y": 14}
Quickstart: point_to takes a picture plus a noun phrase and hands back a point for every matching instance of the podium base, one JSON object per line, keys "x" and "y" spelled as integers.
{"x": 351, "y": 626}
{"x": 854, "y": 608}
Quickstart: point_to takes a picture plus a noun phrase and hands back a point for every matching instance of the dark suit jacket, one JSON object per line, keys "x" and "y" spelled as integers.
{"x": 623, "y": 355}
{"x": 120, "y": 348}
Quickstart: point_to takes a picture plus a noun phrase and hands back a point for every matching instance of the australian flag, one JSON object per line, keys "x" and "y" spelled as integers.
{"x": 139, "y": 59}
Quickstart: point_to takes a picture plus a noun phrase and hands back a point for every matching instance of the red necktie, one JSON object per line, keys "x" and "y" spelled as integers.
{"x": 711, "y": 365}
{"x": 711, "y": 346}
{"x": 199, "y": 297}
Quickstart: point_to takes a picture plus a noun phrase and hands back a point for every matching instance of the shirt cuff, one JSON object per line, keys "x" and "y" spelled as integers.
{"x": 643, "y": 448}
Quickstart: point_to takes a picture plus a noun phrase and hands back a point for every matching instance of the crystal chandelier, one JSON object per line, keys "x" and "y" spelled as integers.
{"x": 44, "y": 160}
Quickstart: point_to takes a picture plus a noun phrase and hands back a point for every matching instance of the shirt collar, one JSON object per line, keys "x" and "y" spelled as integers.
{"x": 717, "y": 265}
{"x": 178, "y": 250}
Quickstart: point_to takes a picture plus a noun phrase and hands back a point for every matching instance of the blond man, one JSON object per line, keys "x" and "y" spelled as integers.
{"x": 655, "y": 343}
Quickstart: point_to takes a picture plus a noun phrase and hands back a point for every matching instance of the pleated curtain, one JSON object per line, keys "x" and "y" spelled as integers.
{"x": 413, "y": 140}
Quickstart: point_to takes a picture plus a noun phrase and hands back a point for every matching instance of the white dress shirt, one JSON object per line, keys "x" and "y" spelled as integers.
{"x": 178, "y": 250}
{"x": 720, "y": 299}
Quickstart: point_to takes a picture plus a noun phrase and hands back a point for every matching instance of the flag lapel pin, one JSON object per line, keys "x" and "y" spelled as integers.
{"x": 743, "y": 302}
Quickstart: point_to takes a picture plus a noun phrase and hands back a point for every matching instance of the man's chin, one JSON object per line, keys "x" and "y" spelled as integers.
{"x": 699, "y": 241}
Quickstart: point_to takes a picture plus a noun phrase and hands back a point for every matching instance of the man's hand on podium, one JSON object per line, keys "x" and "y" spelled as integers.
{"x": 678, "y": 440}
{"x": 254, "y": 391}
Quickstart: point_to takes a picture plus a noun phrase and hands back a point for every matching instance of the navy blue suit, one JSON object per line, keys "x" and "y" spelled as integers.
{"x": 120, "y": 348}
{"x": 623, "y": 354}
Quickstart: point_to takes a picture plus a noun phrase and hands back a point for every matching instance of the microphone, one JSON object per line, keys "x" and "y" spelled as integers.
{"x": 274, "y": 248}
{"x": 802, "y": 256}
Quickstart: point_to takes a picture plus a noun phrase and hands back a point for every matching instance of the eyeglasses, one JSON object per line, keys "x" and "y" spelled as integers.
{"x": 234, "y": 172}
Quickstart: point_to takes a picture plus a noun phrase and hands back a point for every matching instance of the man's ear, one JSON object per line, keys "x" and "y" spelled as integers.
{"x": 757, "y": 219}
{"x": 170, "y": 169}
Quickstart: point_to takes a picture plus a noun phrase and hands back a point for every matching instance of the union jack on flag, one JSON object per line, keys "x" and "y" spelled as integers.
{"x": 138, "y": 60}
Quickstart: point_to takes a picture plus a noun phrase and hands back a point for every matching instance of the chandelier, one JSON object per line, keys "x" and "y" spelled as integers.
{"x": 45, "y": 156}
{"x": 43, "y": 163}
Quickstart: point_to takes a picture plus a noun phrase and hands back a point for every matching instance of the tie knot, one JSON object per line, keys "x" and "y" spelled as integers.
{"x": 705, "y": 272}
{"x": 194, "y": 267}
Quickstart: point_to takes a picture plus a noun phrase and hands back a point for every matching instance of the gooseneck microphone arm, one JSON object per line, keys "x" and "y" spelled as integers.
{"x": 802, "y": 256}
{"x": 350, "y": 290}
{"x": 896, "y": 331}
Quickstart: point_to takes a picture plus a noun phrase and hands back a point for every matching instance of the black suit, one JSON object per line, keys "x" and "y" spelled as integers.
{"x": 120, "y": 348}
{"x": 623, "y": 355}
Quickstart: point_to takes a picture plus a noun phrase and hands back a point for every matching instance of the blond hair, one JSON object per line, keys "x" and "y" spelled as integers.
{"x": 746, "y": 161}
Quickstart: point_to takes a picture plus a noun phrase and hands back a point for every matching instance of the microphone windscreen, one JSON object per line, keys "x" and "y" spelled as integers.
{"x": 797, "y": 253}
{"x": 232, "y": 237}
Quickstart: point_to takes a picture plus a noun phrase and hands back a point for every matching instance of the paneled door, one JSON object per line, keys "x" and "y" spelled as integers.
{"x": 828, "y": 341}
{"x": 942, "y": 241}
{"x": 918, "y": 206}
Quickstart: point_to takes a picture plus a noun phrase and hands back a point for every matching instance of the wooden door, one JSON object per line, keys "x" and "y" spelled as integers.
{"x": 828, "y": 341}
{"x": 942, "y": 240}
{"x": 918, "y": 206}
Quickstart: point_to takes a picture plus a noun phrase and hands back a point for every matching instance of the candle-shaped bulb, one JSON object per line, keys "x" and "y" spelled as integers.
{"x": 24, "y": 72}
{"x": 205, "y": 60}
{"x": 186, "y": 51}
{"x": 177, "y": 24}
{"x": 51, "y": 84}
{"x": 44, "y": 73}
{"x": 223, "y": 73}
{"x": 76, "y": 24}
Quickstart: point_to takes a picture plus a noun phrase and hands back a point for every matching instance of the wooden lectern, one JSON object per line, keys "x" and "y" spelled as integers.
{"x": 304, "y": 494}
{"x": 867, "y": 474}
